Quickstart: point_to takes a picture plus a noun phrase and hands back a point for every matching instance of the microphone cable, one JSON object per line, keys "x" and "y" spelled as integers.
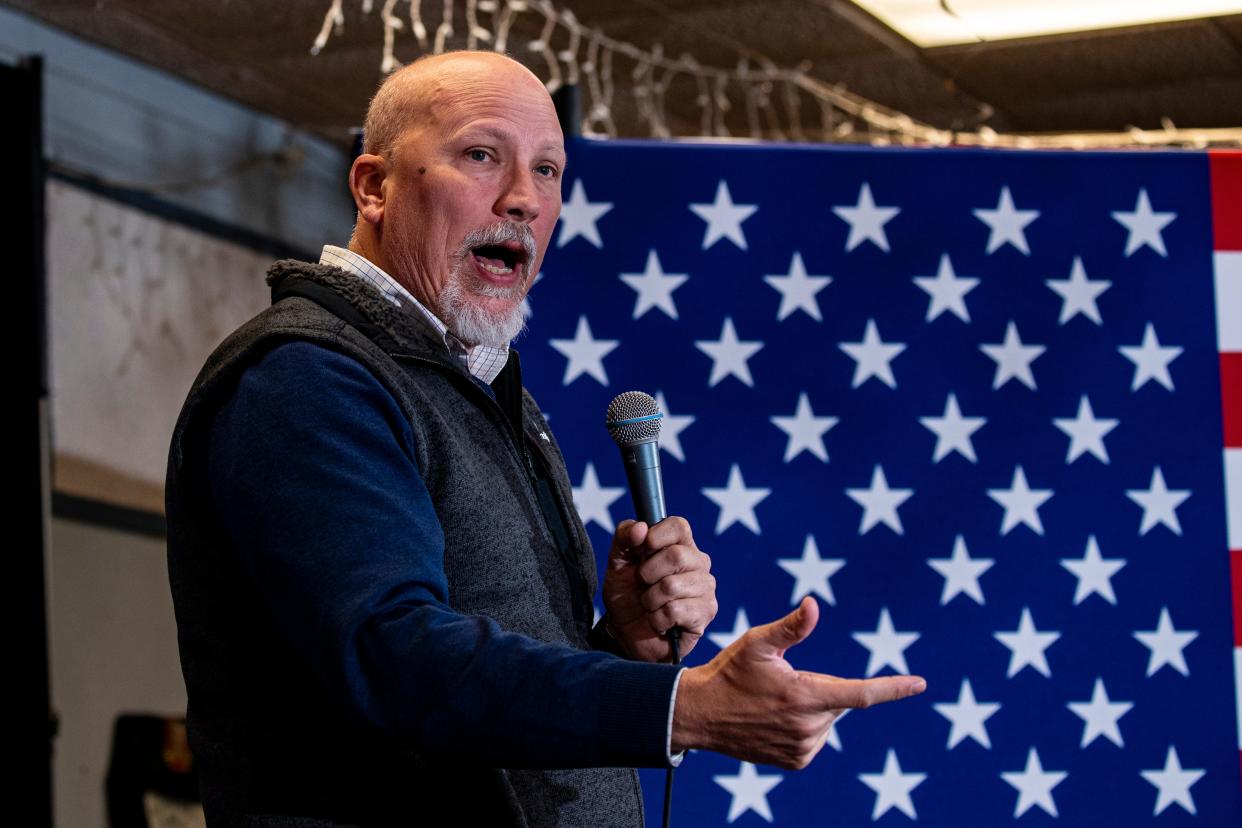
{"x": 674, "y": 641}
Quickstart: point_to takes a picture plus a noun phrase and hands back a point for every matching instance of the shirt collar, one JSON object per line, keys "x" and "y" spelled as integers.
{"x": 484, "y": 362}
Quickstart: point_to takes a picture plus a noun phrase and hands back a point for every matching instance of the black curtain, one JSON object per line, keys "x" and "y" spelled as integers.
{"x": 32, "y": 728}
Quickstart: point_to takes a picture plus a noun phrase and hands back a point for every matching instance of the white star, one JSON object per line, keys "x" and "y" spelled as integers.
{"x": 1173, "y": 783}
{"x": 749, "y": 790}
{"x": 741, "y": 624}
{"x": 1034, "y": 785}
{"x": 1094, "y": 573}
{"x": 834, "y": 732}
{"x": 1099, "y": 716}
{"x": 1159, "y": 503}
{"x": 729, "y": 354}
{"x": 886, "y": 646}
{"x": 1086, "y": 432}
{"x": 1078, "y": 294}
{"x": 585, "y": 353}
{"x": 1144, "y": 225}
{"x": 805, "y": 430}
{"x": 811, "y": 573}
{"x": 953, "y": 431}
{"x": 655, "y": 287}
{"x": 671, "y": 428}
{"x": 724, "y": 218}
{"x": 872, "y": 357}
{"x": 1007, "y": 224}
{"x": 968, "y": 717}
{"x": 1013, "y": 359}
{"x": 578, "y": 217}
{"x": 1166, "y": 644}
{"x": 798, "y": 290}
{"x": 892, "y": 787}
{"x": 879, "y": 503}
{"x": 866, "y": 221}
{"x": 947, "y": 291}
{"x": 737, "y": 503}
{"x": 1021, "y": 503}
{"x": 961, "y": 573}
{"x": 1026, "y": 646}
{"x": 1151, "y": 359}
{"x": 593, "y": 500}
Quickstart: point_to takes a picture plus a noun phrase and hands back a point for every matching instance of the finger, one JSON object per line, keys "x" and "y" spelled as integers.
{"x": 860, "y": 693}
{"x": 691, "y": 614}
{"x": 675, "y": 587}
{"x": 776, "y": 637}
{"x": 628, "y": 535}
{"x": 671, "y": 530}
{"x": 633, "y": 532}
{"x": 671, "y": 560}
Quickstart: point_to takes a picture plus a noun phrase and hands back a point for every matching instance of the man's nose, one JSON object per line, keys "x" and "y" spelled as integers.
{"x": 519, "y": 201}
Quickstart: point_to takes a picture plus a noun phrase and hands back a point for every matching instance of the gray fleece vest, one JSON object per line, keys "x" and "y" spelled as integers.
{"x": 505, "y": 566}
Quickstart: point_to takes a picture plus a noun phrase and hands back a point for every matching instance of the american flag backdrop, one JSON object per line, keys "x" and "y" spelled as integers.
{"x": 969, "y": 400}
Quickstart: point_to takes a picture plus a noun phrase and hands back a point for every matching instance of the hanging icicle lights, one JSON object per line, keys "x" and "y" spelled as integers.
{"x": 770, "y": 95}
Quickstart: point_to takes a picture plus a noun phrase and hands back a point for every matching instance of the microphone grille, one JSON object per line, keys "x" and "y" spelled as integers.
{"x": 633, "y": 417}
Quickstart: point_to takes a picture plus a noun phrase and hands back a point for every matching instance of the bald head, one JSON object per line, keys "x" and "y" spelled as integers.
{"x": 411, "y": 95}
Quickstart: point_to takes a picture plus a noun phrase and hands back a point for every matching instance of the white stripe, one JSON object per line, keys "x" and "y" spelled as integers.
{"x": 1229, "y": 301}
{"x": 1237, "y": 688}
{"x": 1233, "y": 496}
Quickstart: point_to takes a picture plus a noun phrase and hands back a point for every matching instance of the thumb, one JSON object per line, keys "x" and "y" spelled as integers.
{"x": 629, "y": 533}
{"x": 780, "y": 635}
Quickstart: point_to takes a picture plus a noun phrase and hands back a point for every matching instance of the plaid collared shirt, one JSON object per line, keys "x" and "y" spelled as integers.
{"x": 483, "y": 362}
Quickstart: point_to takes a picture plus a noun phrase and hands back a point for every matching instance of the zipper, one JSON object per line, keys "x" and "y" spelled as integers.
{"x": 577, "y": 579}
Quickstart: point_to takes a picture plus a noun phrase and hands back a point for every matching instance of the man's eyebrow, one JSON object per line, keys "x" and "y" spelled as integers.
{"x": 500, "y": 135}
{"x": 554, "y": 149}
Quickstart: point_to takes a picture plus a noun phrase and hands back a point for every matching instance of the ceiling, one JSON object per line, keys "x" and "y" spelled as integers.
{"x": 1187, "y": 73}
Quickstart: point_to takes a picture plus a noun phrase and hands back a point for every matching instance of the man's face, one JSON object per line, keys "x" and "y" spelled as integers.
{"x": 475, "y": 192}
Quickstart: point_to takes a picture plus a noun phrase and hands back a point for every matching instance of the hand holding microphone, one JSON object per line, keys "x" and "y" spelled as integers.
{"x": 656, "y": 578}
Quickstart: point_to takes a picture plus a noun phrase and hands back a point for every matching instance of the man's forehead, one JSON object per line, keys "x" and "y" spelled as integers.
{"x": 500, "y": 106}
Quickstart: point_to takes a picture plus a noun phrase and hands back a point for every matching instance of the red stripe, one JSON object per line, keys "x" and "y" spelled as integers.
{"x": 1226, "y": 171}
{"x": 1235, "y": 575}
{"x": 1231, "y": 397}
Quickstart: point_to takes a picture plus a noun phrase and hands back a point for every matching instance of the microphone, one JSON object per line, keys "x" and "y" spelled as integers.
{"x": 633, "y": 421}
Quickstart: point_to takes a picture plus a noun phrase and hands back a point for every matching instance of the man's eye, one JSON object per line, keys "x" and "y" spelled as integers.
{"x": 546, "y": 170}
{"x": 478, "y": 155}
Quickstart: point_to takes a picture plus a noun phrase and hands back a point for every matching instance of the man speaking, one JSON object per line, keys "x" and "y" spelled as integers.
{"x": 383, "y": 592}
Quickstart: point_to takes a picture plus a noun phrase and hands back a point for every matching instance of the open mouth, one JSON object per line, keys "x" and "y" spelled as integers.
{"x": 502, "y": 259}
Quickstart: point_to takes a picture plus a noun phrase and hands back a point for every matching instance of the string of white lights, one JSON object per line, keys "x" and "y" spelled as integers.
{"x": 844, "y": 116}
{"x": 445, "y": 30}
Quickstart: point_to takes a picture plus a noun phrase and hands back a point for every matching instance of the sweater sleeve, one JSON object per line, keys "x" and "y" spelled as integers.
{"x": 312, "y": 474}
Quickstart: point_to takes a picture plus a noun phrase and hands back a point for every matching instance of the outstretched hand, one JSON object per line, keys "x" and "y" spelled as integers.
{"x": 750, "y": 703}
{"x": 656, "y": 579}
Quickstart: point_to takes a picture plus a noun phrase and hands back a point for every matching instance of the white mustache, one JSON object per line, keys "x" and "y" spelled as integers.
{"x": 502, "y": 232}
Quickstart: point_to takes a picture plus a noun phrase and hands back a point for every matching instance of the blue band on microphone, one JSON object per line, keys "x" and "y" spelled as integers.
{"x": 659, "y": 415}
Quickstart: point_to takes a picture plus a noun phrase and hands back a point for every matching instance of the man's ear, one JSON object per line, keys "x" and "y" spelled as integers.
{"x": 366, "y": 184}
